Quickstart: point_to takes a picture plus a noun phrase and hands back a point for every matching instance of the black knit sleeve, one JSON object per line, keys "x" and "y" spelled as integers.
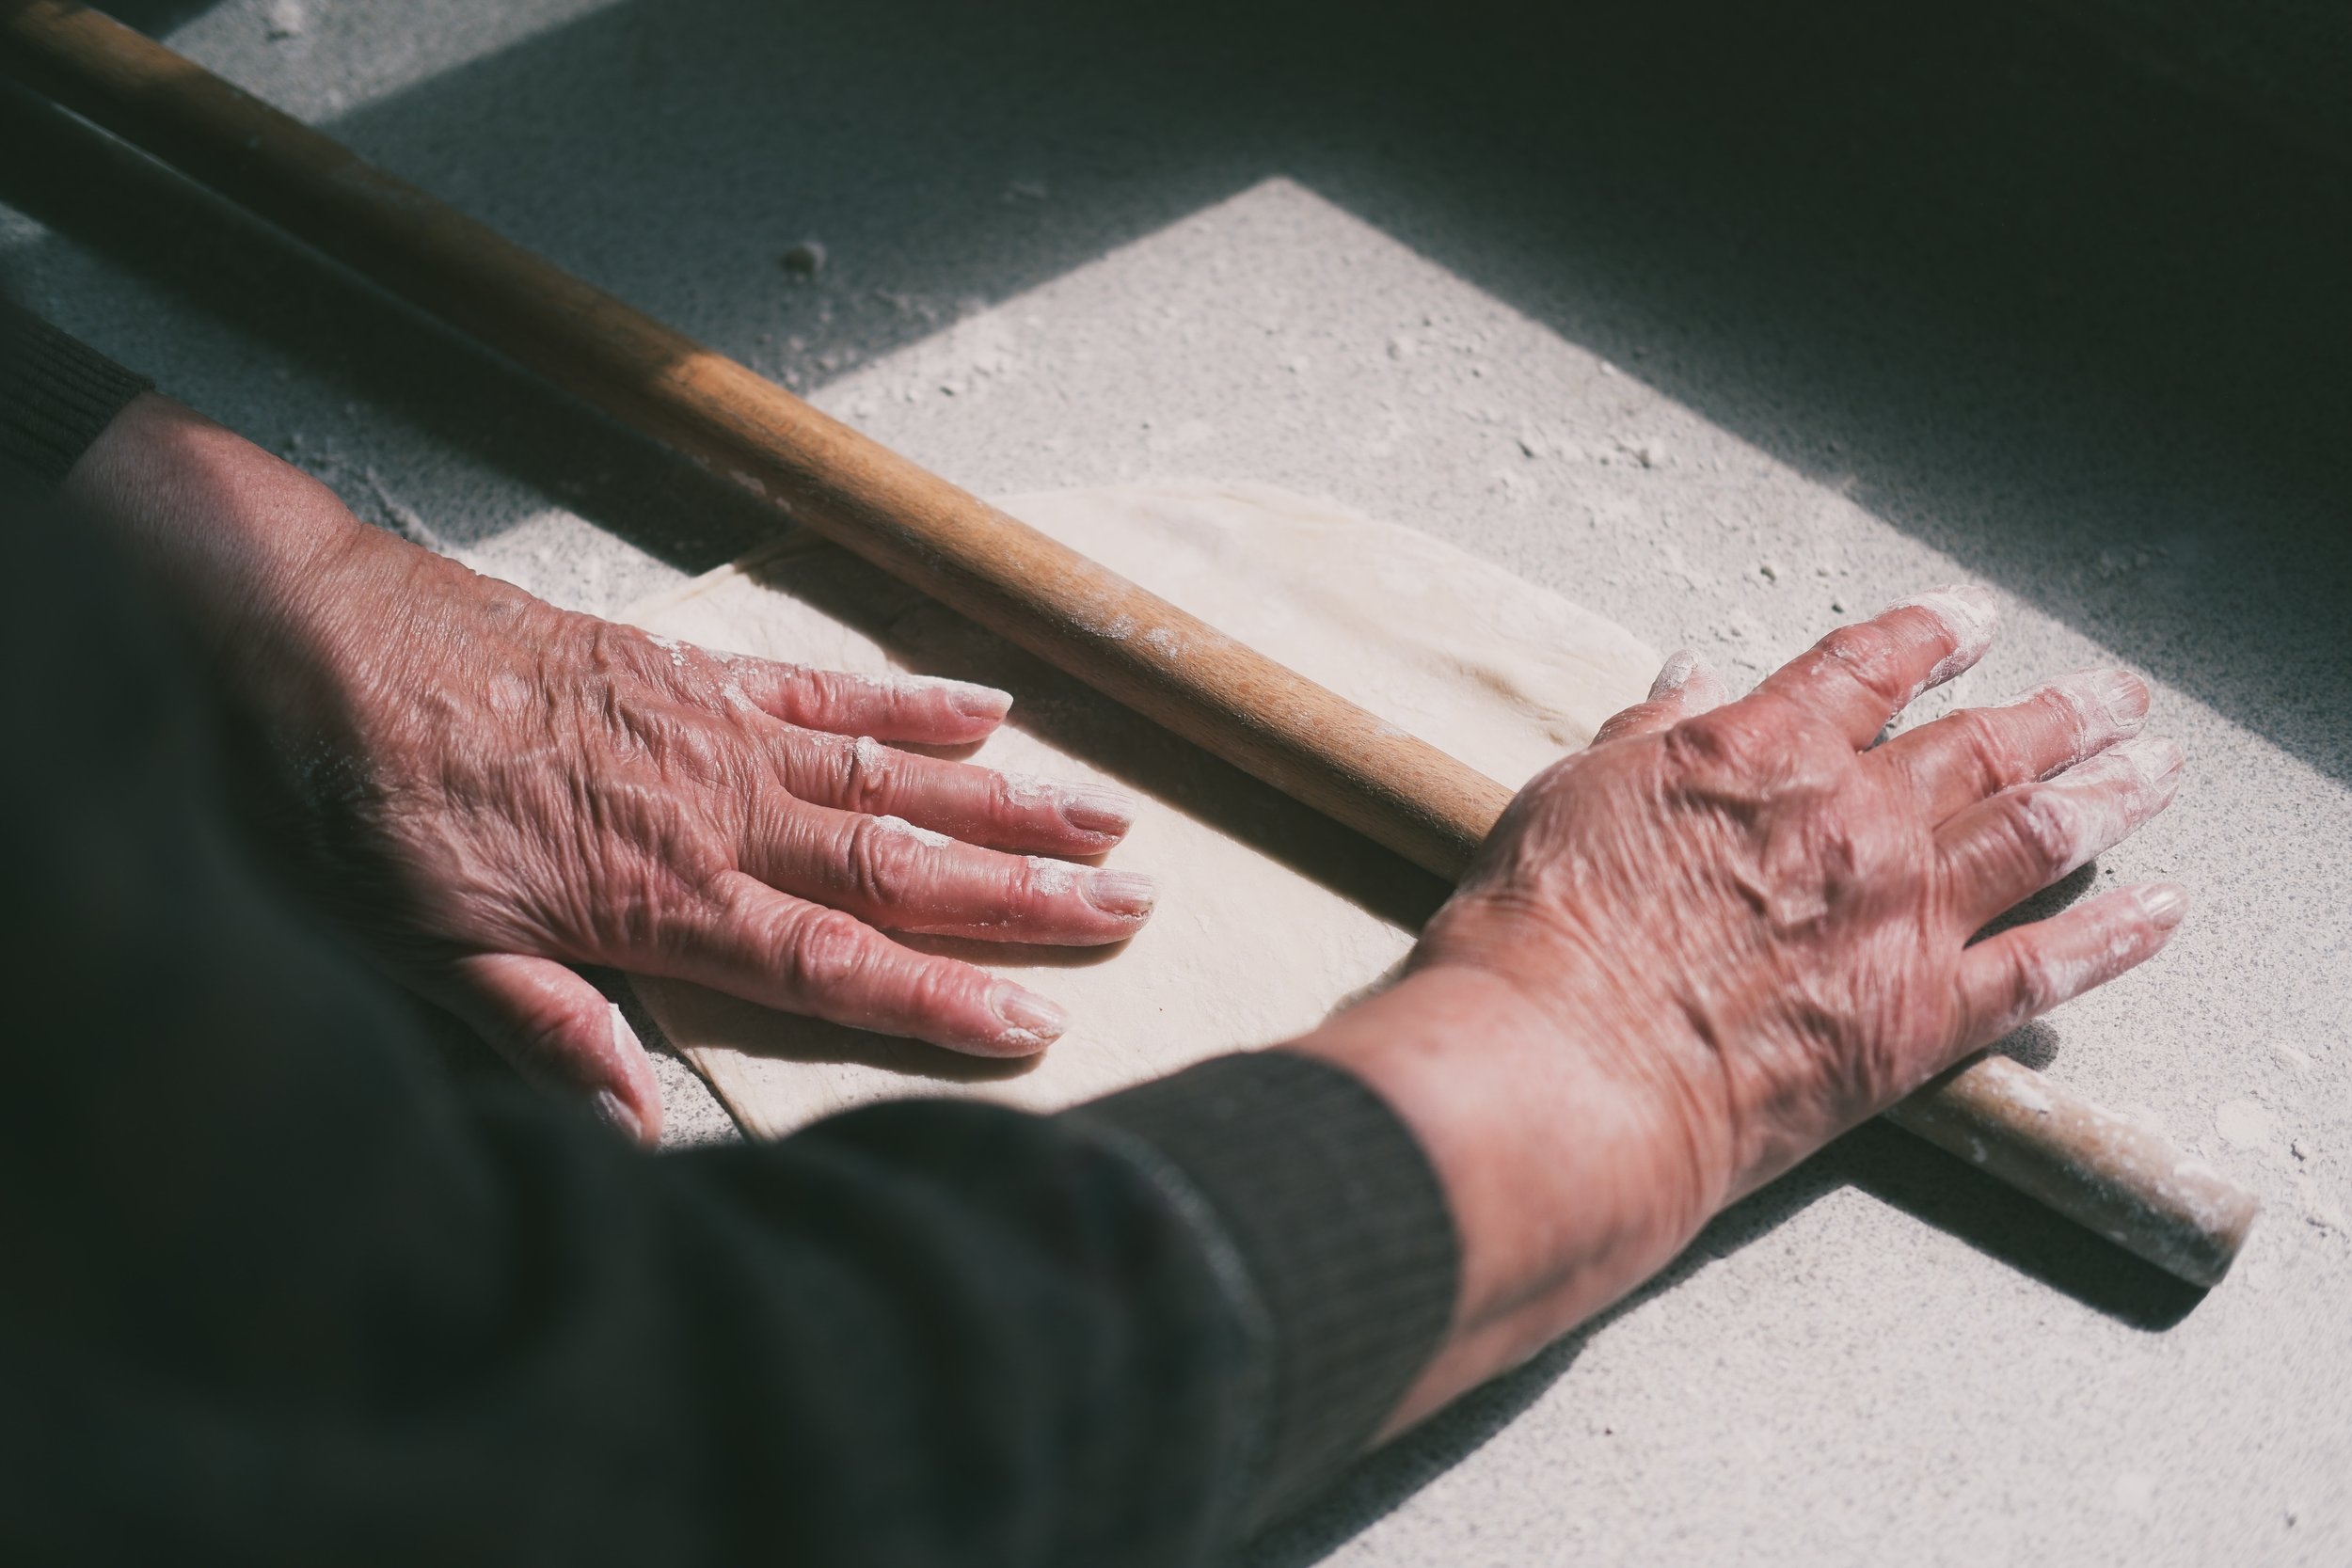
{"x": 280, "y": 1292}
{"x": 55, "y": 395}
{"x": 1328, "y": 1224}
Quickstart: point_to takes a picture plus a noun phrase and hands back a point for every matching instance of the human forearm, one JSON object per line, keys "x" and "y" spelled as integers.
{"x": 497, "y": 788}
{"x": 56, "y": 395}
{"x": 1333, "y": 1230}
{"x": 1693, "y": 953}
{"x": 254, "y": 554}
{"x": 285, "y": 590}
{"x": 280, "y": 1292}
{"x": 1568, "y": 1184}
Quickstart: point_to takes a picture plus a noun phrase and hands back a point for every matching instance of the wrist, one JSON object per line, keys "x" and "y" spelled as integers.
{"x": 1568, "y": 1180}
{"x": 268, "y": 568}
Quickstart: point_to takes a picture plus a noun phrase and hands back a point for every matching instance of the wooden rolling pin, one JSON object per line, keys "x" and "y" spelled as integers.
{"x": 2111, "y": 1174}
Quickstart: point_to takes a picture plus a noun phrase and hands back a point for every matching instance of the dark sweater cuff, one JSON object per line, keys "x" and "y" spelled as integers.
{"x": 55, "y": 395}
{"x": 1315, "y": 1189}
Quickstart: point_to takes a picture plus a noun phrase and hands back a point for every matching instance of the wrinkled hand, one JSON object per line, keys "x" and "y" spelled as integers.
{"x": 547, "y": 786}
{"x": 1781, "y": 918}
{"x": 1725, "y": 932}
{"x": 496, "y": 788}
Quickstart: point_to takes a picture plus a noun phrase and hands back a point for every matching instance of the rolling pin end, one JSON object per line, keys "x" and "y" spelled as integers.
{"x": 2117, "y": 1177}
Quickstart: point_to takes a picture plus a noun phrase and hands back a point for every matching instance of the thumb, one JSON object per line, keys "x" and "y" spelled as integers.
{"x": 1687, "y": 686}
{"x": 560, "y": 1033}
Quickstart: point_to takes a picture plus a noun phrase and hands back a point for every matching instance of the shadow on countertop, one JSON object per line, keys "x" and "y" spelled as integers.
{"x": 2019, "y": 294}
{"x": 1888, "y": 1165}
{"x": 2080, "y": 329}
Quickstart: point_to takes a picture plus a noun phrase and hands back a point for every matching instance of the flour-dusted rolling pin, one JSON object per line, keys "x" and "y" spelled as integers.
{"x": 2111, "y": 1175}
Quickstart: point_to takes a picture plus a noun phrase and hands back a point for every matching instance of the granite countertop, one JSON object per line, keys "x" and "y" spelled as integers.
{"x": 1726, "y": 325}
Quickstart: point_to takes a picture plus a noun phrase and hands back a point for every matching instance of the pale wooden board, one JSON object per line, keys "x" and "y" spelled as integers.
{"x": 1270, "y": 914}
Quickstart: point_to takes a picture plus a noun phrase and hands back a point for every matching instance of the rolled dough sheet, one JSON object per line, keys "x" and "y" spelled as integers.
{"x": 1269, "y": 915}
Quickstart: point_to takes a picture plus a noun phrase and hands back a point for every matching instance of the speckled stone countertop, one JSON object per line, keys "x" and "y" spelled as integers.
{"x": 1724, "y": 326}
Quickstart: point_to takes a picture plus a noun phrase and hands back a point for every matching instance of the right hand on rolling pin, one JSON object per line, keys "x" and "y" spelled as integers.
{"x": 491, "y": 788}
{"x": 1725, "y": 932}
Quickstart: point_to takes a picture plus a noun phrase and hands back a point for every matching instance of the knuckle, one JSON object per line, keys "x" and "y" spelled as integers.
{"x": 878, "y": 864}
{"x": 1017, "y": 800}
{"x": 864, "y": 773}
{"x": 2043, "y": 826}
{"x": 546, "y": 1028}
{"x": 2069, "y": 714}
{"x": 936, "y": 989}
{"x": 611, "y": 651}
{"x": 1815, "y": 858}
{"x": 742, "y": 684}
{"x": 1985, "y": 746}
{"x": 1886, "y": 670}
{"x": 1716, "y": 745}
{"x": 821, "y": 950}
{"x": 1774, "y": 753}
{"x": 1009, "y": 799}
{"x": 1840, "y": 845}
{"x": 1979, "y": 734}
{"x": 1034, "y": 879}
{"x": 2032, "y": 989}
{"x": 1861, "y": 640}
{"x": 677, "y": 743}
{"x": 700, "y": 753}
{"x": 544, "y": 1031}
{"x": 1868, "y": 653}
{"x": 822, "y": 694}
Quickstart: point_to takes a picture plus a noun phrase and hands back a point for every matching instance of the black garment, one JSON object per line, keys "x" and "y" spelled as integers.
{"x": 55, "y": 395}
{"x": 272, "y": 1289}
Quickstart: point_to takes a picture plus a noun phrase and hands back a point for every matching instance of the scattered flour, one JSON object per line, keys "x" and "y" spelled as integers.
{"x": 1051, "y": 876}
{"x": 905, "y": 829}
{"x": 2242, "y": 1124}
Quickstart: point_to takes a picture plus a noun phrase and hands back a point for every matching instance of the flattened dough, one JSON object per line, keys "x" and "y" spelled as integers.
{"x": 1268, "y": 914}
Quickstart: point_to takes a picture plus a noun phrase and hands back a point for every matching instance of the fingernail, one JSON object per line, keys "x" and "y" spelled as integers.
{"x": 975, "y": 700}
{"x": 1967, "y": 609}
{"x": 1983, "y": 605}
{"x": 1029, "y": 1019}
{"x": 1675, "y": 675}
{"x": 1125, "y": 892}
{"x": 2122, "y": 694}
{"x": 615, "y": 1111}
{"x": 2155, "y": 759}
{"x": 2165, "y": 902}
{"x": 1092, "y": 809}
{"x": 1968, "y": 613}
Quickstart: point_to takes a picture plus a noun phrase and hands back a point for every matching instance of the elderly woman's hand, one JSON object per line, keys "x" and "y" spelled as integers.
{"x": 1696, "y": 951}
{"x": 494, "y": 788}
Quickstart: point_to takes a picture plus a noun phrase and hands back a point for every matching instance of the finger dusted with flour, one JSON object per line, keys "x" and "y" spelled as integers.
{"x": 1860, "y": 676}
{"x": 1726, "y": 933}
{"x": 520, "y": 789}
{"x": 1965, "y": 756}
{"x": 2014, "y": 977}
{"x": 1686, "y": 686}
{"x": 2021, "y": 840}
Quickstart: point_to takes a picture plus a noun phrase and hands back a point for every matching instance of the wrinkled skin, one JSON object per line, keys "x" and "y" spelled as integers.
{"x": 492, "y": 789}
{"x": 1803, "y": 905}
{"x": 1686, "y": 957}
{"x": 1693, "y": 953}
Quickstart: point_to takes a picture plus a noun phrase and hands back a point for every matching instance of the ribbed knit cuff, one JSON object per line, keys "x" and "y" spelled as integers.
{"x": 1340, "y": 1229}
{"x": 55, "y": 395}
